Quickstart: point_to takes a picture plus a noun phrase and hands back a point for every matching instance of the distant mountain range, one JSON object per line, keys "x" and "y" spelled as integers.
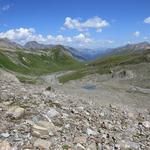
{"x": 79, "y": 54}
{"x": 131, "y": 48}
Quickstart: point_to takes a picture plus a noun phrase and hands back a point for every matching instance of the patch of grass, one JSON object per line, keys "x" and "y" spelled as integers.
{"x": 73, "y": 76}
{"x": 120, "y": 60}
{"x": 65, "y": 147}
{"x": 76, "y": 75}
{"x": 5, "y": 62}
{"x": 27, "y": 80}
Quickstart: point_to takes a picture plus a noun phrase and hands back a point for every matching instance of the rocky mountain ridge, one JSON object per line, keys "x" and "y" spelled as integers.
{"x": 131, "y": 48}
{"x": 37, "y": 46}
{"x": 79, "y": 54}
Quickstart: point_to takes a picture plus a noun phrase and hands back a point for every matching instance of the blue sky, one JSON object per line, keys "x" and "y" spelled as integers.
{"x": 78, "y": 23}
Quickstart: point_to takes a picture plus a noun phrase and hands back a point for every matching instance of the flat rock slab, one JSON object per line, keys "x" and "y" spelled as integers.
{"x": 44, "y": 129}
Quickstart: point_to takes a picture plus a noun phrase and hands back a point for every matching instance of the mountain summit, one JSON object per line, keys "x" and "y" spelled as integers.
{"x": 36, "y": 46}
{"x": 130, "y": 48}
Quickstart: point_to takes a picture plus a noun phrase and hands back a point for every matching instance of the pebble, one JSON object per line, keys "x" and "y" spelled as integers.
{"x": 80, "y": 139}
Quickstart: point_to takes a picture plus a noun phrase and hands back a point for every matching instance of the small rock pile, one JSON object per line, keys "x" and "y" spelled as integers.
{"x": 32, "y": 118}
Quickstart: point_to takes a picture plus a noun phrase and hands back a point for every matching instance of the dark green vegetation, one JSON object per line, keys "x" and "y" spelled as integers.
{"x": 104, "y": 65}
{"x": 39, "y": 63}
{"x": 28, "y": 80}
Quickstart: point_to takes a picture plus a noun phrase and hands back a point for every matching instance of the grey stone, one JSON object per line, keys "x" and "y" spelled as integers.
{"x": 52, "y": 113}
{"x": 42, "y": 144}
{"x": 91, "y": 132}
{"x": 79, "y": 147}
{"x": 5, "y": 135}
{"x": 15, "y": 112}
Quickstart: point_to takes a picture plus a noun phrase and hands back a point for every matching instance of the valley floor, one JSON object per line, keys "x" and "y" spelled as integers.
{"x": 109, "y": 91}
{"x": 132, "y": 90}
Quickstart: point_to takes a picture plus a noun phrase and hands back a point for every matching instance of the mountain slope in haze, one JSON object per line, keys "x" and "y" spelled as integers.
{"x": 79, "y": 54}
{"x": 130, "y": 48}
{"x": 76, "y": 53}
{"x": 92, "y": 54}
{"x": 35, "y": 46}
{"x": 87, "y": 54}
{"x": 6, "y": 43}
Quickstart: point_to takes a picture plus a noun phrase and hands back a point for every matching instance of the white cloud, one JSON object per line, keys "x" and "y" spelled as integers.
{"x": 147, "y": 20}
{"x": 136, "y": 34}
{"x": 92, "y": 23}
{"x": 145, "y": 38}
{"x": 81, "y": 38}
{"x": 23, "y": 35}
{"x": 18, "y": 34}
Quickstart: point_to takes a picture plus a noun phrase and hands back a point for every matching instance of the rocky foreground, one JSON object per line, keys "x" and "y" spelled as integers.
{"x": 36, "y": 117}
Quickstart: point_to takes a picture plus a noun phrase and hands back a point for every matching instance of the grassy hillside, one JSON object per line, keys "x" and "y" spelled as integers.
{"x": 58, "y": 59}
{"x": 104, "y": 65}
{"x": 37, "y": 63}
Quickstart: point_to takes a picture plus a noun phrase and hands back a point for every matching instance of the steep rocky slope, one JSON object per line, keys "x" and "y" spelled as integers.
{"x": 33, "y": 117}
{"x": 106, "y": 64}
